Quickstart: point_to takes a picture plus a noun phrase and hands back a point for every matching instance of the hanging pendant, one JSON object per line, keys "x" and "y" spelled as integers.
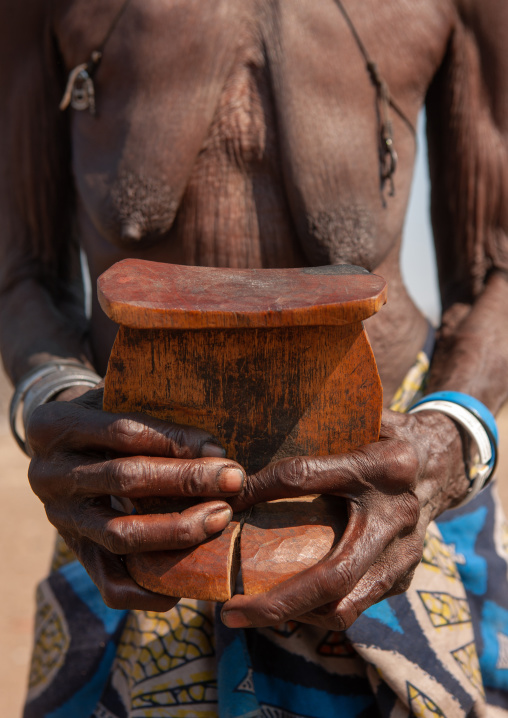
{"x": 79, "y": 92}
{"x": 389, "y": 158}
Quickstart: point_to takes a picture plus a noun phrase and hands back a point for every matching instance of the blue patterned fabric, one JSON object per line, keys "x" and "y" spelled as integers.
{"x": 416, "y": 653}
{"x": 76, "y": 641}
{"x": 440, "y": 649}
{"x": 478, "y": 535}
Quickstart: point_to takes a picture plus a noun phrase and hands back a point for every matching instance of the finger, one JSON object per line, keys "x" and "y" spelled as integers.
{"x": 69, "y": 426}
{"x": 121, "y": 534}
{"x": 330, "y": 580}
{"x": 137, "y": 477}
{"x": 388, "y": 577}
{"x": 390, "y": 466}
{"x": 117, "y": 588}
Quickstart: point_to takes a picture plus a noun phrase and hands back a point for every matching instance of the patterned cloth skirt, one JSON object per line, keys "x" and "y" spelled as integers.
{"x": 440, "y": 649}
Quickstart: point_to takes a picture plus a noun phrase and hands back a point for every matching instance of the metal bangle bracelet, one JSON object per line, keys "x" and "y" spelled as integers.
{"x": 475, "y": 407}
{"x": 484, "y": 469}
{"x": 42, "y": 384}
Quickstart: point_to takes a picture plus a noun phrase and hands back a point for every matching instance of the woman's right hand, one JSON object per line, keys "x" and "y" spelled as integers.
{"x": 82, "y": 456}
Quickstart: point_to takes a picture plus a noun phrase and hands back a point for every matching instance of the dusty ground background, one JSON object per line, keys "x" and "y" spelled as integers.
{"x": 25, "y": 562}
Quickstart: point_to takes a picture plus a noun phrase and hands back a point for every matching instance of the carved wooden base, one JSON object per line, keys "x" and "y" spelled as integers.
{"x": 273, "y": 363}
{"x": 278, "y": 540}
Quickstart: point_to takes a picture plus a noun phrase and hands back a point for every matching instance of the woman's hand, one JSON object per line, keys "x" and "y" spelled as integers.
{"x": 393, "y": 488}
{"x": 82, "y": 456}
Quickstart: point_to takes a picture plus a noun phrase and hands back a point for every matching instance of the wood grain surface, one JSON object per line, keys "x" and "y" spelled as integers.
{"x": 281, "y": 538}
{"x": 147, "y": 295}
{"x": 264, "y": 390}
{"x": 207, "y": 573}
{"x": 264, "y": 394}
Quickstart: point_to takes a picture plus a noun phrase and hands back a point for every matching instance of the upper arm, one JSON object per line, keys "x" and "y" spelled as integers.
{"x": 35, "y": 174}
{"x": 467, "y": 128}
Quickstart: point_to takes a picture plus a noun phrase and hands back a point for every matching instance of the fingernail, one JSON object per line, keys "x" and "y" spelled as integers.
{"x": 218, "y": 520}
{"x": 235, "y": 619}
{"x": 213, "y": 450}
{"x": 230, "y": 480}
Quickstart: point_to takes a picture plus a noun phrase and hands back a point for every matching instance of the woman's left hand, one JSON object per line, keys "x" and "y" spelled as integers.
{"x": 393, "y": 488}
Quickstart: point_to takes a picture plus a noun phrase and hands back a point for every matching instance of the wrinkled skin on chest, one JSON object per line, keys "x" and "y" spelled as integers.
{"x": 246, "y": 134}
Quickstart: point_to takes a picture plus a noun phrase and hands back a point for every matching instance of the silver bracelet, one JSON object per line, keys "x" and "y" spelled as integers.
{"x": 40, "y": 385}
{"x": 482, "y": 471}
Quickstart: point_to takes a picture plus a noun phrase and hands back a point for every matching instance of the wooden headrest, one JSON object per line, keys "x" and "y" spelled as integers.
{"x": 150, "y": 295}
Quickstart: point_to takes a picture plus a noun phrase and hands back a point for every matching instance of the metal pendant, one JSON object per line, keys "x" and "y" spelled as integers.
{"x": 83, "y": 93}
{"x": 79, "y": 92}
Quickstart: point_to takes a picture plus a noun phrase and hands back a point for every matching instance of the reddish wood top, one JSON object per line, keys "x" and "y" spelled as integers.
{"x": 151, "y": 295}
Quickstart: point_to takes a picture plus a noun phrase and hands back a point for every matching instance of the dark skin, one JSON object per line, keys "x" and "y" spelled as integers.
{"x": 245, "y": 135}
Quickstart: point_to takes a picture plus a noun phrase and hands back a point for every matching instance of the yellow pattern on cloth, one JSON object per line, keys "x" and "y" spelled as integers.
{"x": 446, "y": 604}
{"x": 167, "y": 661}
{"x": 51, "y": 642}
{"x": 165, "y": 664}
{"x": 413, "y": 384}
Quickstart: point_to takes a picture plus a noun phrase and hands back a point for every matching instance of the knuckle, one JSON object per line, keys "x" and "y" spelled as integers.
{"x": 276, "y": 612}
{"x": 403, "y": 466}
{"x": 128, "y": 429}
{"x": 180, "y": 441}
{"x": 362, "y": 464}
{"x": 340, "y": 579}
{"x": 122, "y": 476}
{"x": 117, "y": 540}
{"x": 294, "y": 475}
{"x": 183, "y": 533}
{"x": 43, "y": 427}
{"x": 414, "y": 556}
{"x": 403, "y": 583}
{"x": 251, "y": 490}
{"x": 384, "y": 584}
{"x": 191, "y": 476}
{"x": 408, "y": 511}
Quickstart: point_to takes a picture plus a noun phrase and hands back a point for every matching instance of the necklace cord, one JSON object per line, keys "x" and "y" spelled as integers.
{"x": 388, "y": 155}
{"x": 96, "y": 55}
{"x": 79, "y": 91}
{"x": 85, "y": 73}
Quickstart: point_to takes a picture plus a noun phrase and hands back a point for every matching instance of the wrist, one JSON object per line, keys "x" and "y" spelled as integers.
{"x": 73, "y": 392}
{"x": 478, "y": 429}
{"x": 45, "y": 383}
{"x": 443, "y": 478}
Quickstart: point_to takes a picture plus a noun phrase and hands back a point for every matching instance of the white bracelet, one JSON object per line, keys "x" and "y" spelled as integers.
{"x": 482, "y": 471}
{"x": 43, "y": 383}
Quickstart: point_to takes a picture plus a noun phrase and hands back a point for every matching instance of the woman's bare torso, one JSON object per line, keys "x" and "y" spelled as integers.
{"x": 245, "y": 135}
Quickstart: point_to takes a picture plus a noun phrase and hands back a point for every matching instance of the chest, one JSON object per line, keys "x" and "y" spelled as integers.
{"x": 227, "y": 111}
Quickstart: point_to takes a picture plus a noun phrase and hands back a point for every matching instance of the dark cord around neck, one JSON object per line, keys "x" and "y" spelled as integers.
{"x": 96, "y": 55}
{"x": 388, "y": 155}
{"x": 80, "y": 91}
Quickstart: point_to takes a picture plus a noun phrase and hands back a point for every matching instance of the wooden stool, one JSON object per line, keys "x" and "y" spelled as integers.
{"x": 273, "y": 363}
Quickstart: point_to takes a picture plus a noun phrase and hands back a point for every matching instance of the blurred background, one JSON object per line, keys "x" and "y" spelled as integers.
{"x": 25, "y": 562}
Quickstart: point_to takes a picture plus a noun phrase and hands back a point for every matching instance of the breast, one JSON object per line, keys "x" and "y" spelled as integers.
{"x": 237, "y": 138}
{"x": 158, "y": 87}
{"x": 196, "y": 169}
